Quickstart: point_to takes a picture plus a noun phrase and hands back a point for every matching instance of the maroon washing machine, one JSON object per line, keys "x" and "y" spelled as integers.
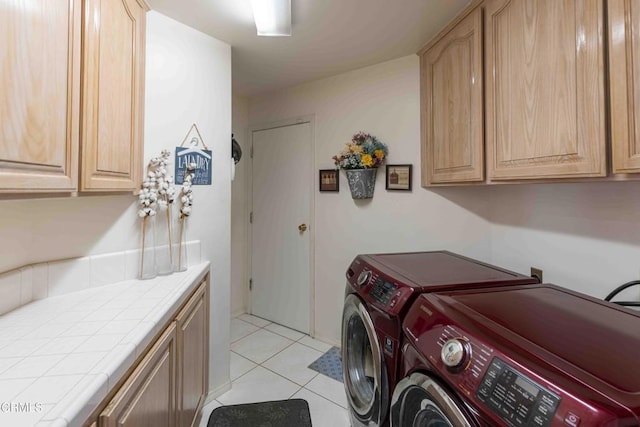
{"x": 521, "y": 356}
{"x": 379, "y": 291}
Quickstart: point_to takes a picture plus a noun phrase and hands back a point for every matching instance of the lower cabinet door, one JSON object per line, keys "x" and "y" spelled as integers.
{"x": 147, "y": 398}
{"x": 193, "y": 361}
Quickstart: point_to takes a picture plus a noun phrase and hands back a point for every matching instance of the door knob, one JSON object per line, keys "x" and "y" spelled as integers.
{"x": 302, "y": 228}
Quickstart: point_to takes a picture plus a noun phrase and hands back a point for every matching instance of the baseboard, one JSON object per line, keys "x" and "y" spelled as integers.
{"x": 238, "y": 312}
{"x": 223, "y": 388}
{"x": 327, "y": 340}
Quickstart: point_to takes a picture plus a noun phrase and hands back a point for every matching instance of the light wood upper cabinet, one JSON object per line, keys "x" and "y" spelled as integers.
{"x": 40, "y": 96}
{"x": 624, "y": 72}
{"x": 147, "y": 398}
{"x": 452, "y": 114}
{"x": 113, "y": 84}
{"x": 545, "y": 102}
{"x": 71, "y": 110}
{"x": 193, "y": 356}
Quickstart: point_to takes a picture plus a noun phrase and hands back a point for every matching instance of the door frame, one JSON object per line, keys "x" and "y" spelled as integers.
{"x": 311, "y": 177}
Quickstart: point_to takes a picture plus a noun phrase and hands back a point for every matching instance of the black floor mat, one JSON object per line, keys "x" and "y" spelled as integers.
{"x": 278, "y": 413}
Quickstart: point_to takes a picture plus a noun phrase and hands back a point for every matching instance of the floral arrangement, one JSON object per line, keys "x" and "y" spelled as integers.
{"x": 157, "y": 187}
{"x": 164, "y": 181}
{"x": 157, "y": 192}
{"x": 364, "y": 151}
{"x": 187, "y": 193}
{"x": 186, "y": 199}
{"x": 148, "y": 199}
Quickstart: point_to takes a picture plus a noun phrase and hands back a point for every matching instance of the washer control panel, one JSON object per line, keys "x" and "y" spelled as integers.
{"x": 387, "y": 293}
{"x": 382, "y": 291}
{"x": 364, "y": 277}
{"x": 517, "y": 399}
{"x": 455, "y": 354}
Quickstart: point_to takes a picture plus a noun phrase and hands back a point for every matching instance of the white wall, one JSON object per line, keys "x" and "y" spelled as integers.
{"x": 239, "y": 220}
{"x": 585, "y": 236}
{"x": 384, "y": 101}
{"x": 39, "y": 230}
{"x": 189, "y": 81}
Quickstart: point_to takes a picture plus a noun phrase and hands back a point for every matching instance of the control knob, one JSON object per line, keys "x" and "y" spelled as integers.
{"x": 364, "y": 277}
{"x": 455, "y": 354}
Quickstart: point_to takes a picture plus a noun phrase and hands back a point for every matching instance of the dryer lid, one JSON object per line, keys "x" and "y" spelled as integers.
{"x": 444, "y": 270}
{"x": 599, "y": 338}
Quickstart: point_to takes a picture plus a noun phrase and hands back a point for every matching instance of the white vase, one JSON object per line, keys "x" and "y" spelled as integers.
{"x": 148, "y": 249}
{"x": 180, "y": 262}
{"x": 164, "y": 248}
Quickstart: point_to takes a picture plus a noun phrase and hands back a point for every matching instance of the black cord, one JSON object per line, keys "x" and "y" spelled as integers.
{"x": 621, "y": 288}
{"x": 627, "y": 303}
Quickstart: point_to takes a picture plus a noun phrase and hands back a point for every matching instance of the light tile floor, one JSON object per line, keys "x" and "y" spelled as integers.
{"x": 269, "y": 362}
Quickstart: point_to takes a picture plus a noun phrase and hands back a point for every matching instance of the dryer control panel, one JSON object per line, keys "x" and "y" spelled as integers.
{"x": 518, "y": 400}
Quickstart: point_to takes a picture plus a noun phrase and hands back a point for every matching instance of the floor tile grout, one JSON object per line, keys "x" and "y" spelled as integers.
{"x": 271, "y": 370}
{"x": 298, "y": 340}
{"x": 325, "y": 398}
{"x": 291, "y": 342}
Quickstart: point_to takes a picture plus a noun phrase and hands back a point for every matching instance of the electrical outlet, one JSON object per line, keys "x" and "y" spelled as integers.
{"x": 537, "y": 273}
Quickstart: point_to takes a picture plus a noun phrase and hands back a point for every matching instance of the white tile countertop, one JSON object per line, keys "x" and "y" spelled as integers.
{"x": 60, "y": 356}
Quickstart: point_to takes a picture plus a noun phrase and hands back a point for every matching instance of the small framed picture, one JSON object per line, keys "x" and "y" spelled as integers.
{"x": 329, "y": 180}
{"x": 399, "y": 177}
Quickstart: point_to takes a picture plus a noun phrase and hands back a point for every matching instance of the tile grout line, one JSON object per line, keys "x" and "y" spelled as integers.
{"x": 325, "y": 398}
{"x": 289, "y": 379}
{"x": 300, "y": 387}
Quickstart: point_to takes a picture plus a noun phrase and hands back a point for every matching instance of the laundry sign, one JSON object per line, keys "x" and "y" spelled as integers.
{"x": 193, "y": 157}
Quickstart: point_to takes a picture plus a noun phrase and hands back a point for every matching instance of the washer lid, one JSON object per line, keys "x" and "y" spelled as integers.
{"x": 444, "y": 270}
{"x": 598, "y": 338}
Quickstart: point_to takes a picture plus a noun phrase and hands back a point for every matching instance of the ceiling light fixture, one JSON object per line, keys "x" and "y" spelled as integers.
{"x": 273, "y": 17}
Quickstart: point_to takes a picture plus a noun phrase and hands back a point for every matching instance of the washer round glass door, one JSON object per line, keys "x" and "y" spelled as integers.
{"x": 418, "y": 401}
{"x": 363, "y": 369}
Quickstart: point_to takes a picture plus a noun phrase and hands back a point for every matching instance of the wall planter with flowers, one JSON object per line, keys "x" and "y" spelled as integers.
{"x": 360, "y": 159}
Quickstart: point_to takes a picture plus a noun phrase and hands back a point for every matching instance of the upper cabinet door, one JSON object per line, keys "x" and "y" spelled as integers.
{"x": 545, "y": 89}
{"x": 624, "y": 69}
{"x": 452, "y": 105}
{"x": 40, "y": 96}
{"x": 112, "y": 107}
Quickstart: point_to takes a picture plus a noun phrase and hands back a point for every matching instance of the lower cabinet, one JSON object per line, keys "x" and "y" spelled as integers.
{"x": 193, "y": 356}
{"x": 148, "y": 397}
{"x": 168, "y": 386}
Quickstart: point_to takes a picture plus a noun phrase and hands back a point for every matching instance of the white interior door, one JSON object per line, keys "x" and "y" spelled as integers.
{"x": 280, "y": 257}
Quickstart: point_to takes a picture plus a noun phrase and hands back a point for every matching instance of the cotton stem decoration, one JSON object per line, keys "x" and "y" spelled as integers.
{"x": 148, "y": 199}
{"x": 157, "y": 192}
{"x": 186, "y": 200}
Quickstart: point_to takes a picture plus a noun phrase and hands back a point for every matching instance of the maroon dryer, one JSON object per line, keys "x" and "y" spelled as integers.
{"x": 524, "y": 356}
{"x": 380, "y": 288}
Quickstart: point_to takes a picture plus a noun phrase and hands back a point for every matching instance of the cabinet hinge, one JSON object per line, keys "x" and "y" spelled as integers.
{"x": 251, "y": 217}
{"x": 252, "y": 151}
{"x": 250, "y": 284}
